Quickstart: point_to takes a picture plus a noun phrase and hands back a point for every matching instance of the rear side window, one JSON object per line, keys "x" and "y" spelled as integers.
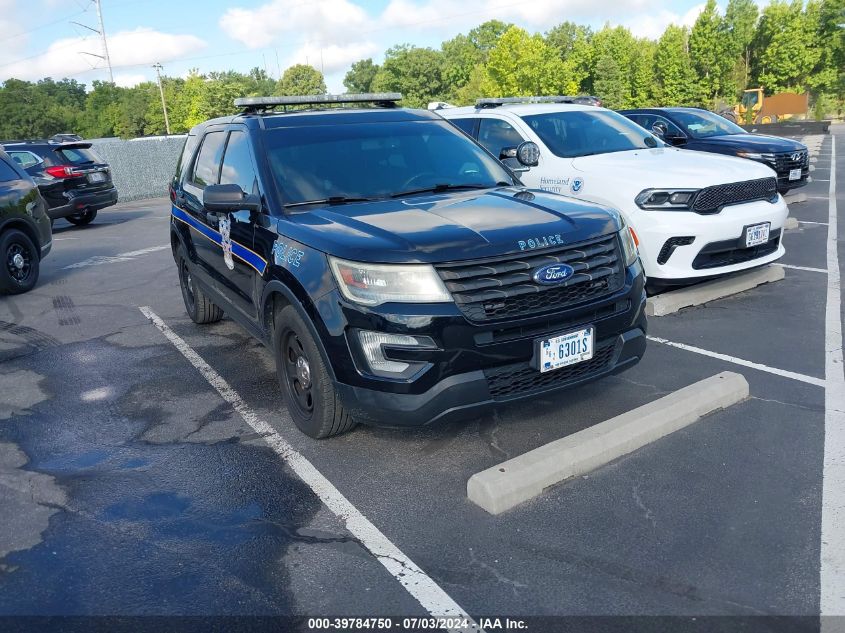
{"x": 77, "y": 156}
{"x": 237, "y": 164}
{"x": 25, "y": 159}
{"x": 497, "y": 135}
{"x": 207, "y": 167}
{"x": 467, "y": 125}
{"x": 7, "y": 173}
{"x": 187, "y": 152}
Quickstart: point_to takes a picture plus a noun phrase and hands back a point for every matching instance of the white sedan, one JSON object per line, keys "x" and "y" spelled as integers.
{"x": 694, "y": 215}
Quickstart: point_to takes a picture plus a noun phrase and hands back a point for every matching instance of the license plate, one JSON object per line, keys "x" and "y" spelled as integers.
{"x": 795, "y": 174}
{"x": 566, "y": 349}
{"x": 97, "y": 176}
{"x": 757, "y": 234}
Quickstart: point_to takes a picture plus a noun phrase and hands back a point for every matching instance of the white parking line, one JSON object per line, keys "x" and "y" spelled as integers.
{"x": 809, "y": 222}
{"x": 811, "y": 380}
{"x": 812, "y": 270}
{"x": 832, "y": 567}
{"x": 415, "y": 581}
{"x": 99, "y": 260}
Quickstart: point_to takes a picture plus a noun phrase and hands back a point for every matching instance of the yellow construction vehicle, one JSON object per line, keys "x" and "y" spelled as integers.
{"x": 757, "y": 108}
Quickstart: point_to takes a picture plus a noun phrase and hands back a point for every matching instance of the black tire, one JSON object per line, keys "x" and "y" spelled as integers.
{"x": 198, "y": 306}
{"x": 81, "y": 219}
{"x": 20, "y": 263}
{"x": 308, "y": 390}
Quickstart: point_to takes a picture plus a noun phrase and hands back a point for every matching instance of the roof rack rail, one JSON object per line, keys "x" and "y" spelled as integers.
{"x": 260, "y": 104}
{"x": 493, "y": 102}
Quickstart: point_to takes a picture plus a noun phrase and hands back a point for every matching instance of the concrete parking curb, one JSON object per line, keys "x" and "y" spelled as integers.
{"x": 790, "y": 224}
{"x": 671, "y": 302}
{"x": 795, "y": 198}
{"x": 519, "y": 479}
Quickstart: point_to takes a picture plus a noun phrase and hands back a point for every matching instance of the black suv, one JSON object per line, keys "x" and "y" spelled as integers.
{"x": 398, "y": 272}
{"x": 25, "y": 236}
{"x": 702, "y": 130}
{"x": 74, "y": 181}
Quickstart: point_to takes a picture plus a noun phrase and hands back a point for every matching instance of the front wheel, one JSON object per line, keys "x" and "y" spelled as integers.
{"x": 305, "y": 382}
{"x": 81, "y": 219}
{"x": 198, "y": 306}
{"x": 20, "y": 264}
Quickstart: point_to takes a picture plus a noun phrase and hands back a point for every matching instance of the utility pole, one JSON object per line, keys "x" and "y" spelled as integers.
{"x": 157, "y": 67}
{"x": 105, "y": 44}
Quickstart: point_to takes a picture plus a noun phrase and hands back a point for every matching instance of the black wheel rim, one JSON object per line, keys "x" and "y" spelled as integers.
{"x": 187, "y": 283}
{"x": 19, "y": 262}
{"x": 298, "y": 373}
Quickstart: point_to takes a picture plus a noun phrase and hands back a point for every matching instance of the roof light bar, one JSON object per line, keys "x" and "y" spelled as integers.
{"x": 383, "y": 99}
{"x": 492, "y": 102}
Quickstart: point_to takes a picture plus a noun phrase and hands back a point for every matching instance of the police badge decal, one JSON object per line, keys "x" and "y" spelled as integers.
{"x": 226, "y": 242}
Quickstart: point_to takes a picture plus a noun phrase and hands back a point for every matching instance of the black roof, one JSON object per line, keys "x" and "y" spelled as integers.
{"x": 665, "y": 109}
{"x": 325, "y": 116}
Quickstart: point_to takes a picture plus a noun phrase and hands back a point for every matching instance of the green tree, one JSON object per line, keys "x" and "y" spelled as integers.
{"x": 828, "y": 76}
{"x": 301, "y": 79}
{"x": 523, "y": 64}
{"x": 360, "y": 76}
{"x": 642, "y": 74}
{"x": 674, "y": 76}
{"x": 620, "y": 44}
{"x": 786, "y": 48}
{"x": 740, "y": 23}
{"x": 709, "y": 49}
{"x": 573, "y": 43}
{"x": 415, "y": 72}
{"x": 608, "y": 84}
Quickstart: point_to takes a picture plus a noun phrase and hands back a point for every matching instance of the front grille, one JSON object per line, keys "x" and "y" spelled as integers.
{"x": 503, "y": 287}
{"x": 785, "y": 161}
{"x": 520, "y": 379}
{"x": 729, "y": 252}
{"x": 712, "y": 199}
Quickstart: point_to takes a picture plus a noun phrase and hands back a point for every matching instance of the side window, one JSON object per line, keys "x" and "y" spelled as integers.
{"x": 207, "y": 167}
{"x": 497, "y": 135}
{"x": 7, "y": 173}
{"x": 674, "y": 130}
{"x": 25, "y": 159}
{"x": 185, "y": 157}
{"x": 237, "y": 164}
{"x": 467, "y": 125}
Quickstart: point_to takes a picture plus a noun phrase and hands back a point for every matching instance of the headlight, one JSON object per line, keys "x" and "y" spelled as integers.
{"x": 374, "y": 284}
{"x": 666, "y": 199}
{"x": 629, "y": 247}
{"x": 768, "y": 158}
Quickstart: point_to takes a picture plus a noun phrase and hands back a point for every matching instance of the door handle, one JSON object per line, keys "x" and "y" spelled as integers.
{"x": 213, "y": 219}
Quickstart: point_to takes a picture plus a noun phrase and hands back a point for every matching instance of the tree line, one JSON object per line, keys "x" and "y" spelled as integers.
{"x": 793, "y": 46}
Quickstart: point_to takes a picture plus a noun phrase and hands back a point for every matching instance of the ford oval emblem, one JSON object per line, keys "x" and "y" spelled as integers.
{"x": 553, "y": 274}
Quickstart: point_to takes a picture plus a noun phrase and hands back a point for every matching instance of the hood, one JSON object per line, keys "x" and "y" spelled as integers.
{"x": 669, "y": 167}
{"x": 446, "y": 227}
{"x": 749, "y": 143}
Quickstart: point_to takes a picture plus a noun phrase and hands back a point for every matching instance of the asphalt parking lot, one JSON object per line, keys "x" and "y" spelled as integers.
{"x": 130, "y": 486}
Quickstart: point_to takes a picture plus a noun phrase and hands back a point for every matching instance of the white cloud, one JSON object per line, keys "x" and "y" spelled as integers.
{"x": 137, "y": 48}
{"x": 332, "y": 58}
{"x": 128, "y": 80}
{"x": 652, "y": 25}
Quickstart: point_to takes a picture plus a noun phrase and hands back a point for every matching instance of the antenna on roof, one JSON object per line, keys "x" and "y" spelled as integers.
{"x": 261, "y": 104}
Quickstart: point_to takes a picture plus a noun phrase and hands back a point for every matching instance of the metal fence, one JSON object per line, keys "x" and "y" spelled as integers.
{"x": 141, "y": 168}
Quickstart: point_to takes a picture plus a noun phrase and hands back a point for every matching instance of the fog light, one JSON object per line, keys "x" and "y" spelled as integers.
{"x": 372, "y": 344}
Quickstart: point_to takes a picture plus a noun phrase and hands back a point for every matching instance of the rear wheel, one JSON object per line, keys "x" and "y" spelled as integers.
{"x": 306, "y": 385}
{"x": 20, "y": 263}
{"x": 83, "y": 218}
{"x": 198, "y": 306}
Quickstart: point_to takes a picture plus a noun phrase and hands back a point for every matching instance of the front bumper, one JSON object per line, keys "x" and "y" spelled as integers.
{"x": 80, "y": 202}
{"x": 479, "y": 366}
{"x": 655, "y": 228}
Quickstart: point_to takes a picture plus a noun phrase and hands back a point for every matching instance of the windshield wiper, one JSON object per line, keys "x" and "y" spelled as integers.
{"x": 450, "y": 187}
{"x": 331, "y": 200}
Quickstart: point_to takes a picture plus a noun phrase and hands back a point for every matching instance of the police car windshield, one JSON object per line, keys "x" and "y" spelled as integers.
{"x": 705, "y": 124}
{"x": 355, "y": 161}
{"x": 583, "y": 133}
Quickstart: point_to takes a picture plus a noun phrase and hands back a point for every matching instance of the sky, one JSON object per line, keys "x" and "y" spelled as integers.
{"x": 59, "y": 38}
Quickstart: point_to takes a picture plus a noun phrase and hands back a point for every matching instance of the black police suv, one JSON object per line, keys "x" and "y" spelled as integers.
{"x": 697, "y": 129}
{"x": 74, "y": 181}
{"x": 399, "y": 273}
{"x": 25, "y": 235}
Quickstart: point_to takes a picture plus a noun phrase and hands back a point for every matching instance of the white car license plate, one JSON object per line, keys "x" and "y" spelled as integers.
{"x": 795, "y": 174}
{"x": 757, "y": 234}
{"x": 566, "y": 349}
{"x": 97, "y": 176}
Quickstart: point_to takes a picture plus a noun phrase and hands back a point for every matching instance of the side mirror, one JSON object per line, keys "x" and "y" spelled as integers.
{"x": 229, "y": 198}
{"x": 659, "y": 129}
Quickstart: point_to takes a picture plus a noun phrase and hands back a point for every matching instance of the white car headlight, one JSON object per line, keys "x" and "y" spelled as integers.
{"x": 374, "y": 284}
{"x": 666, "y": 199}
